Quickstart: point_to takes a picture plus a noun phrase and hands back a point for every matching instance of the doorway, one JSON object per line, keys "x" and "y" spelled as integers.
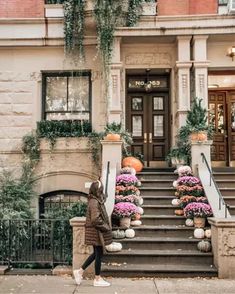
{"x": 148, "y": 117}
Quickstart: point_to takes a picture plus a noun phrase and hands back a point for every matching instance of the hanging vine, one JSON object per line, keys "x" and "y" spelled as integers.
{"x": 74, "y": 27}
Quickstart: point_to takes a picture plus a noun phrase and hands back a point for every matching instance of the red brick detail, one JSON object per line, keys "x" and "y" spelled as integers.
{"x": 187, "y": 7}
{"x": 21, "y": 8}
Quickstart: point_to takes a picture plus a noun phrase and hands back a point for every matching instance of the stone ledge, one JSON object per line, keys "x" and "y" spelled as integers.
{"x": 3, "y": 269}
{"x": 61, "y": 270}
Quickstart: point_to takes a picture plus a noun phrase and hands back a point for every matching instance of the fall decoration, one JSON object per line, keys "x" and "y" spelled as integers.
{"x": 132, "y": 162}
{"x": 130, "y": 233}
{"x": 199, "y": 233}
{"x": 204, "y": 246}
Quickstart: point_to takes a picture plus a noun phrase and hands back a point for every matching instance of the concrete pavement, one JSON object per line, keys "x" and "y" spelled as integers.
{"x": 66, "y": 285}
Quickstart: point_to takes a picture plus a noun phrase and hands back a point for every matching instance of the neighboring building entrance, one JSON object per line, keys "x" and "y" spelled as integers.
{"x": 148, "y": 116}
{"x": 222, "y": 116}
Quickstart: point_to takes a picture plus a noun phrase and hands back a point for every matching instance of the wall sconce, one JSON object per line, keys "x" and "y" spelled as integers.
{"x": 231, "y": 52}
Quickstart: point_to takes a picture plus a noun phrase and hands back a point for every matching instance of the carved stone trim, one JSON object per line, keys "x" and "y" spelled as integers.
{"x": 228, "y": 243}
{"x": 160, "y": 58}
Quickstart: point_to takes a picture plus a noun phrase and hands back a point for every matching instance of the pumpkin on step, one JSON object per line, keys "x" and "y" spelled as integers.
{"x": 208, "y": 233}
{"x": 132, "y": 162}
{"x": 130, "y": 233}
{"x": 179, "y": 212}
{"x": 136, "y": 223}
{"x": 199, "y": 233}
{"x": 204, "y": 246}
{"x": 189, "y": 222}
{"x": 175, "y": 202}
{"x": 114, "y": 247}
{"x": 118, "y": 234}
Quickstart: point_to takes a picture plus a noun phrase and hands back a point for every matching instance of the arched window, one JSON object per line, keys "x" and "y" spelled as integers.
{"x": 59, "y": 200}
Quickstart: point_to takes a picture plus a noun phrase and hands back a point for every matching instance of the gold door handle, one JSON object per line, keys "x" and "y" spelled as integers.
{"x": 145, "y": 138}
{"x": 150, "y": 138}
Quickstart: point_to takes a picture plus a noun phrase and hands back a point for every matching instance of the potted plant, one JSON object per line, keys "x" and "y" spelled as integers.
{"x": 124, "y": 211}
{"x": 178, "y": 156}
{"x": 199, "y": 212}
{"x": 197, "y": 122}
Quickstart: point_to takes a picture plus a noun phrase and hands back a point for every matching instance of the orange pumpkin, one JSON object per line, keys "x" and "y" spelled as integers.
{"x": 137, "y": 216}
{"x": 179, "y": 212}
{"x": 199, "y": 136}
{"x": 132, "y": 162}
{"x": 112, "y": 137}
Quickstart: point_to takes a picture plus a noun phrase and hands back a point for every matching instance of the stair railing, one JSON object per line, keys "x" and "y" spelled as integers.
{"x": 220, "y": 206}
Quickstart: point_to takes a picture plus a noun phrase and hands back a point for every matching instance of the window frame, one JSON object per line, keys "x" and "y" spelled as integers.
{"x": 67, "y": 74}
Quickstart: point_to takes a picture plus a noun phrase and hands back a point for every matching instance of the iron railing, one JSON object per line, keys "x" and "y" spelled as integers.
{"x": 221, "y": 199}
{"x": 41, "y": 242}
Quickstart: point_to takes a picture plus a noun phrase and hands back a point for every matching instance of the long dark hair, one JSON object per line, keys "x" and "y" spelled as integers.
{"x": 97, "y": 190}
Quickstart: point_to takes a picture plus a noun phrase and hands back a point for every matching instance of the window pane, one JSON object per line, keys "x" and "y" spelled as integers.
{"x": 56, "y": 94}
{"x": 158, "y": 125}
{"x": 137, "y": 125}
{"x": 78, "y": 94}
{"x": 233, "y": 116}
{"x": 137, "y": 103}
{"x": 68, "y": 116}
{"x": 158, "y": 103}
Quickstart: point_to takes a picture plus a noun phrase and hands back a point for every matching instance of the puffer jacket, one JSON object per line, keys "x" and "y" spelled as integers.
{"x": 98, "y": 231}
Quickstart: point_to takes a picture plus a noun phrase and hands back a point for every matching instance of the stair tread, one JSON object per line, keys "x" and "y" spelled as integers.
{"x": 164, "y": 227}
{"x": 160, "y": 188}
{"x": 154, "y": 252}
{"x": 156, "y": 180}
{"x": 163, "y": 216}
{"x": 160, "y": 239}
{"x": 158, "y": 206}
{"x": 160, "y": 267}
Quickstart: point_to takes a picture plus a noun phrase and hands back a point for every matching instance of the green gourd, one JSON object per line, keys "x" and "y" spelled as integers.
{"x": 204, "y": 246}
{"x": 118, "y": 234}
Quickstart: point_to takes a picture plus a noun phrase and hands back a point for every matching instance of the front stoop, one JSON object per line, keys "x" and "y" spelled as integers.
{"x": 163, "y": 245}
{"x": 3, "y": 269}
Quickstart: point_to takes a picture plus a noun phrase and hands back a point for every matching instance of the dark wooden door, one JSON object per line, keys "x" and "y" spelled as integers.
{"x": 148, "y": 122}
{"x": 219, "y": 118}
{"x": 231, "y": 124}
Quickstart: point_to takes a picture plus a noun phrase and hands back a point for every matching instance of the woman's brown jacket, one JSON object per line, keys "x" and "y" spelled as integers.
{"x": 98, "y": 231}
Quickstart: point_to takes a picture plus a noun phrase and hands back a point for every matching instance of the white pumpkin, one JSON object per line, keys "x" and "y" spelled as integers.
{"x": 140, "y": 200}
{"x": 130, "y": 233}
{"x": 204, "y": 246}
{"x": 140, "y": 210}
{"x": 189, "y": 222}
{"x": 199, "y": 233}
{"x": 175, "y": 202}
{"x": 136, "y": 223}
{"x": 114, "y": 247}
{"x": 138, "y": 184}
{"x": 208, "y": 233}
{"x": 175, "y": 184}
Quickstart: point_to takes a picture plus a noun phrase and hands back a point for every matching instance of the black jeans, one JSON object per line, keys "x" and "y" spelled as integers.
{"x": 97, "y": 256}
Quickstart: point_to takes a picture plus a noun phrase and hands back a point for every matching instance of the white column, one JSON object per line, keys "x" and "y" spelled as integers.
{"x": 200, "y": 66}
{"x": 183, "y": 66}
{"x": 114, "y": 111}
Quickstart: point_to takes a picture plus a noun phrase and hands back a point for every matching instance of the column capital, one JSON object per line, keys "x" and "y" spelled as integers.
{"x": 184, "y": 64}
{"x": 201, "y": 64}
{"x": 184, "y": 38}
{"x": 77, "y": 221}
{"x": 199, "y": 37}
{"x": 117, "y": 65}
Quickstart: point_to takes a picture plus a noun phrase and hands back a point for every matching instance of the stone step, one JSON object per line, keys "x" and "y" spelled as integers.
{"x": 225, "y": 183}
{"x": 135, "y": 256}
{"x": 157, "y": 175}
{"x": 156, "y": 183}
{"x": 230, "y": 200}
{"x": 150, "y": 243}
{"x": 159, "y": 270}
{"x": 168, "y": 220}
{"x": 157, "y": 191}
{"x": 160, "y": 200}
{"x": 164, "y": 231}
{"x": 227, "y": 192}
{"x": 158, "y": 209}
{"x": 223, "y": 176}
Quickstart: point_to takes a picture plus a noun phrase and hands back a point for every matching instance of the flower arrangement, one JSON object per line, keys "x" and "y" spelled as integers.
{"x": 184, "y": 170}
{"x": 124, "y": 209}
{"x": 185, "y": 200}
{"x": 197, "y": 209}
{"x": 196, "y": 190}
{"x": 188, "y": 181}
{"x": 126, "y": 180}
{"x": 129, "y": 190}
{"x": 129, "y": 198}
{"x": 202, "y": 199}
{"x": 128, "y": 170}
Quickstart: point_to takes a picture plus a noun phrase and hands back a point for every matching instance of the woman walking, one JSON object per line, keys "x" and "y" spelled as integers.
{"x": 98, "y": 233}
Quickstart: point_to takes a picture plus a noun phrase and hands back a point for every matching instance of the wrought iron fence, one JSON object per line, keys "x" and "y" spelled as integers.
{"x": 54, "y": 1}
{"x": 41, "y": 242}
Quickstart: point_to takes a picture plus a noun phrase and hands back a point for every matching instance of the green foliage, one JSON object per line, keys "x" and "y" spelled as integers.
{"x": 55, "y": 1}
{"x": 31, "y": 147}
{"x": 55, "y": 129}
{"x": 197, "y": 117}
{"x": 134, "y": 11}
{"x": 74, "y": 27}
{"x": 15, "y": 195}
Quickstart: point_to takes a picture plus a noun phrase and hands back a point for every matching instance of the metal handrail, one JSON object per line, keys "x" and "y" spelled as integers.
{"x": 107, "y": 178}
{"x": 221, "y": 199}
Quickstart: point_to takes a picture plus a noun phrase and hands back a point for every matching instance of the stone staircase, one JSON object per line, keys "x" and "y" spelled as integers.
{"x": 225, "y": 179}
{"x": 163, "y": 246}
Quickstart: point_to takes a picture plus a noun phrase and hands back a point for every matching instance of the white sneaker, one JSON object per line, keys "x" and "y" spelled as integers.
{"x": 78, "y": 276}
{"x": 101, "y": 283}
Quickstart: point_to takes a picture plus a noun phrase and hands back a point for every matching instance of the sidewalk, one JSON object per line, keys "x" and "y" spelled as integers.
{"x": 66, "y": 285}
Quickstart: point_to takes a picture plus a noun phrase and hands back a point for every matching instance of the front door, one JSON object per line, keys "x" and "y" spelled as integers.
{"x": 148, "y": 122}
{"x": 222, "y": 116}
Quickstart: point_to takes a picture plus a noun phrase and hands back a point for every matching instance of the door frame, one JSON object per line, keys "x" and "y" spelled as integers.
{"x": 155, "y": 91}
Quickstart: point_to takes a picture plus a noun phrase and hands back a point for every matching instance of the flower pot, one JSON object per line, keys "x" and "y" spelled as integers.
{"x": 199, "y": 222}
{"x": 112, "y": 137}
{"x": 149, "y": 8}
{"x": 198, "y": 136}
{"x": 125, "y": 222}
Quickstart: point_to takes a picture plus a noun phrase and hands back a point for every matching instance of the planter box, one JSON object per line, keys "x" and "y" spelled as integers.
{"x": 149, "y": 8}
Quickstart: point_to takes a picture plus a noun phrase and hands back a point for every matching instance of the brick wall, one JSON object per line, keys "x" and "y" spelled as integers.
{"x": 187, "y": 7}
{"x": 21, "y": 8}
